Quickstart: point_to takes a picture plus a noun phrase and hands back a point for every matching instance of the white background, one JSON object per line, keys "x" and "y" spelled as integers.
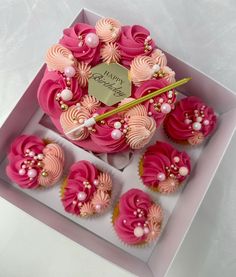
{"x": 202, "y": 33}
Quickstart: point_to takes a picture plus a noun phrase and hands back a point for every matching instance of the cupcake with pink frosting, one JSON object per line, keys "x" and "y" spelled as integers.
{"x": 137, "y": 220}
{"x": 34, "y": 162}
{"x": 86, "y": 190}
{"x": 163, "y": 168}
{"x": 191, "y": 122}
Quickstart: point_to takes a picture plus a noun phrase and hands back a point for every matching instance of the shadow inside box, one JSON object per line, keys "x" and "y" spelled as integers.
{"x": 117, "y": 160}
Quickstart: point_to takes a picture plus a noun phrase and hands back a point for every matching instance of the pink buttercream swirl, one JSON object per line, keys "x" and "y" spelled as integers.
{"x": 155, "y": 105}
{"x": 108, "y": 29}
{"x": 58, "y": 57}
{"x": 102, "y": 135}
{"x": 190, "y": 120}
{"x": 164, "y": 167}
{"x": 81, "y": 195}
{"x": 132, "y": 43}
{"x": 52, "y": 84}
{"x": 74, "y": 40}
{"x": 29, "y": 155}
{"x": 133, "y": 222}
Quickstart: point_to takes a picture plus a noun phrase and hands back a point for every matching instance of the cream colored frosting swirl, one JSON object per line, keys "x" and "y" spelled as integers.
{"x": 75, "y": 116}
{"x": 108, "y": 29}
{"x": 87, "y": 209}
{"x": 110, "y": 53}
{"x": 90, "y": 103}
{"x": 140, "y": 131}
{"x": 105, "y": 182}
{"x": 101, "y": 200}
{"x": 53, "y": 163}
{"x": 82, "y": 73}
{"x": 169, "y": 74}
{"x": 141, "y": 69}
{"x": 159, "y": 57}
{"x": 58, "y": 57}
{"x": 136, "y": 110}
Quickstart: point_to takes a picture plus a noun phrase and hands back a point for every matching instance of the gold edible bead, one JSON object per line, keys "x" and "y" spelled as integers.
{"x": 44, "y": 174}
{"x": 64, "y": 107}
{"x": 40, "y": 164}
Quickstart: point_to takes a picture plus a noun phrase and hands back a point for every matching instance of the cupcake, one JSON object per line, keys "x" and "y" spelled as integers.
{"x": 137, "y": 219}
{"x": 87, "y": 190}
{"x": 34, "y": 162}
{"x": 191, "y": 121}
{"x": 163, "y": 168}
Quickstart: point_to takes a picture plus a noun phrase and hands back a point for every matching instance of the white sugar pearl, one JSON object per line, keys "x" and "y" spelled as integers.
{"x": 176, "y": 159}
{"x": 165, "y": 108}
{"x": 116, "y": 134}
{"x": 197, "y": 126}
{"x": 40, "y": 156}
{"x": 199, "y": 119}
{"x": 117, "y": 125}
{"x": 187, "y": 121}
{"x": 183, "y": 171}
{"x": 81, "y": 196}
{"x": 32, "y": 173}
{"x": 66, "y": 94}
{"x": 161, "y": 100}
{"x": 31, "y": 153}
{"x": 91, "y": 40}
{"x": 138, "y": 232}
{"x": 206, "y": 122}
{"x": 22, "y": 171}
{"x": 98, "y": 207}
{"x": 146, "y": 230}
{"x": 161, "y": 177}
{"x": 156, "y": 67}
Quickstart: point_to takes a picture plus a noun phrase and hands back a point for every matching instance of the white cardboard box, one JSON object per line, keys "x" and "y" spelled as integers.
{"x": 97, "y": 234}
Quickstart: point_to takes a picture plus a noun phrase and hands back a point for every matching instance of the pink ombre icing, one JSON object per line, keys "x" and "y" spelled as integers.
{"x": 163, "y": 168}
{"x": 32, "y": 163}
{"x": 155, "y": 105}
{"x": 136, "y": 217}
{"x": 81, "y": 194}
{"x": 191, "y": 121}
{"x": 132, "y": 42}
{"x": 74, "y": 40}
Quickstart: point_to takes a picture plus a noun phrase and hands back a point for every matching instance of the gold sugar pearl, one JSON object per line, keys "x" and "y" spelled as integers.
{"x": 64, "y": 107}
{"x": 40, "y": 164}
{"x": 44, "y": 174}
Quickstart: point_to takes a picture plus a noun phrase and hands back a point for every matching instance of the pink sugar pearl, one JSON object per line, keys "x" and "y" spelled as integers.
{"x": 69, "y": 71}
{"x": 32, "y": 173}
{"x": 91, "y": 40}
{"x": 116, "y": 134}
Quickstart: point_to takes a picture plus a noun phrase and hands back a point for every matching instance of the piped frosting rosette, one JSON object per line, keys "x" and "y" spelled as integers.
{"x": 134, "y": 41}
{"x": 190, "y": 122}
{"x": 87, "y": 190}
{"x": 82, "y": 40}
{"x": 137, "y": 219}
{"x": 163, "y": 168}
{"x": 34, "y": 163}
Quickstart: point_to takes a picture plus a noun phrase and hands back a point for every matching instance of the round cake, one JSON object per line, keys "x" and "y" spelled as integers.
{"x": 163, "y": 168}
{"x": 190, "y": 122}
{"x": 137, "y": 219}
{"x": 86, "y": 190}
{"x": 34, "y": 162}
{"x": 64, "y": 93}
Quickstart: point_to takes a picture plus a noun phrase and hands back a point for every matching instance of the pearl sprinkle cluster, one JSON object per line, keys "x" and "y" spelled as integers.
{"x": 196, "y": 121}
{"x": 147, "y": 46}
{"x": 30, "y": 165}
{"x": 66, "y": 94}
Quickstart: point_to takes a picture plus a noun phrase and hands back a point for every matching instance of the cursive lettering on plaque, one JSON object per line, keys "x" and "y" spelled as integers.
{"x": 115, "y": 81}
